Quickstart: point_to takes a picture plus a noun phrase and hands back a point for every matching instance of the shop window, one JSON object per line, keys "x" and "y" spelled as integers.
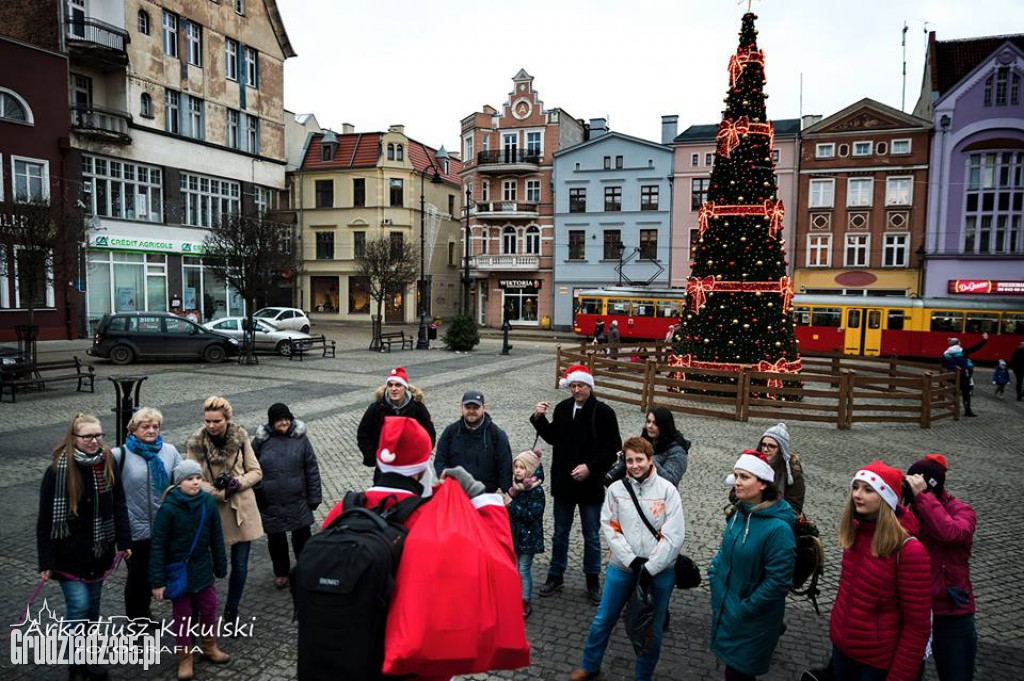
{"x": 324, "y": 293}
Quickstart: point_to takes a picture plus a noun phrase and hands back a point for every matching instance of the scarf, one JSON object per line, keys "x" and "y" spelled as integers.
{"x": 151, "y": 453}
{"x": 524, "y": 485}
{"x": 102, "y": 522}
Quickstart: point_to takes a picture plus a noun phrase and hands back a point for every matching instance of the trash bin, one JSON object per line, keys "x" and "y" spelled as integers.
{"x": 432, "y": 332}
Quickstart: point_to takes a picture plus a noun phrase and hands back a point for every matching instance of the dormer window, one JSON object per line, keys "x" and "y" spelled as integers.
{"x": 1002, "y": 88}
{"x": 399, "y": 153}
{"x": 327, "y": 152}
{"x": 391, "y": 151}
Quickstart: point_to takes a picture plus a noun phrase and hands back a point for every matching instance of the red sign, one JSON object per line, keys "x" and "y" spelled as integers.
{"x": 986, "y": 286}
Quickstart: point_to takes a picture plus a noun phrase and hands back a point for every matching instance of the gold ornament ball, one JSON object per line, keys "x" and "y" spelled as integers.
{"x": 778, "y": 344}
{"x": 730, "y": 343}
{"x": 757, "y": 293}
{"x": 746, "y": 103}
{"x": 747, "y": 326}
{"x": 735, "y": 321}
{"x": 767, "y": 184}
{"x": 771, "y": 304}
{"x": 743, "y": 238}
{"x": 706, "y": 341}
{"x": 759, "y": 262}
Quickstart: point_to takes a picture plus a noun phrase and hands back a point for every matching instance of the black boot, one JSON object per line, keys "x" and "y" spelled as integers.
{"x": 552, "y": 586}
{"x": 594, "y": 589}
{"x": 230, "y": 617}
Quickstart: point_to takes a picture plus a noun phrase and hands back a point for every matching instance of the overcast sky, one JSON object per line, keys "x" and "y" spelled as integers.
{"x": 430, "y": 63}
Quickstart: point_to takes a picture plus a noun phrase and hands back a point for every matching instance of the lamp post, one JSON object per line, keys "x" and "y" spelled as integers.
{"x": 465, "y": 276}
{"x": 422, "y": 341}
{"x": 622, "y": 249}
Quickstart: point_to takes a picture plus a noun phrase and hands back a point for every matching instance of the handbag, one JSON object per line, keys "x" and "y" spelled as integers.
{"x": 687, "y": 572}
{"x": 176, "y": 574}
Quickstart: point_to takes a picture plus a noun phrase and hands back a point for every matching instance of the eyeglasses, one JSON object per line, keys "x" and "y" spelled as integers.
{"x": 765, "y": 445}
{"x": 91, "y": 437}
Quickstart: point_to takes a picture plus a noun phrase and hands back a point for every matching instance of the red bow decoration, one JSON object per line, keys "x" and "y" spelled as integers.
{"x": 739, "y": 61}
{"x": 729, "y": 132}
{"x": 786, "y": 289}
{"x": 780, "y": 367}
{"x": 774, "y": 211}
{"x": 683, "y": 361}
{"x": 697, "y": 291}
{"x": 706, "y": 212}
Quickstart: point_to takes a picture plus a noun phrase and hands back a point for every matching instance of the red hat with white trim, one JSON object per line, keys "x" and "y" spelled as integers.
{"x": 398, "y": 375}
{"x": 754, "y": 463}
{"x": 576, "y": 373}
{"x": 404, "y": 446}
{"x": 885, "y": 480}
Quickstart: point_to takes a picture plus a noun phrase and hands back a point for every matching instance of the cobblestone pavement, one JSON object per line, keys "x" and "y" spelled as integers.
{"x": 331, "y": 394}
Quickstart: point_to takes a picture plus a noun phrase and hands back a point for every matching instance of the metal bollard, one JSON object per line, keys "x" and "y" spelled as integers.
{"x": 126, "y": 403}
{"x": 505, "y": 347}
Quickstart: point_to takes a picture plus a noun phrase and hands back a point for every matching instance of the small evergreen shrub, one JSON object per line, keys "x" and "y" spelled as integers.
{"x": 462, "y": 334}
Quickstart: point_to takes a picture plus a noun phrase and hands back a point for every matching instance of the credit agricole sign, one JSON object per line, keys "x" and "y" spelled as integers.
{"x": 128, "y": 243}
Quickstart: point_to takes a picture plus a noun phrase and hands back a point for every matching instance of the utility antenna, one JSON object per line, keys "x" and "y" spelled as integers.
{"x": 801, "y": 95}
{"x": 903, "y": 99}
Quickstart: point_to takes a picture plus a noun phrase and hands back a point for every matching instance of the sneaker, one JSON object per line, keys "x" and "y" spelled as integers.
{"x": 593, "y": 589}
{"x": 583, "y": 675}
{"x": 551, "y": 587}
{"x": 527, "y": 610}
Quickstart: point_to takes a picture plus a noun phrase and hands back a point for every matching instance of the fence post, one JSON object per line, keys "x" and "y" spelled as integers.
{"x": 590, "y": 361}
{"x": 926, "y": 400}
{"x": 844, "y": 419}
{"x": 892, "y": 372}
{"x": 743, "y": 394}
{"x": 956, "y": 395}
{"x": 558, "y": 364}
{"x": 647, "y": 395}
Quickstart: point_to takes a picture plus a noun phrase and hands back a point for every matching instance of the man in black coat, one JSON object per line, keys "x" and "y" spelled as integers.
{"x": 584, "y": 434}
{"x": 477, "y": 444}
{"x": 395, "y": 398}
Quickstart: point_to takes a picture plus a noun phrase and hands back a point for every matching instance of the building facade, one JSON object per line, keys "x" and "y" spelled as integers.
{"x": 694, "y": 157}
{"x": 863, "y": 185}
{"x": 613, "y": 199}
{"x": 354, "y": 188}
{"x": 508, "y": 158}
{"x": 972, "y": 94}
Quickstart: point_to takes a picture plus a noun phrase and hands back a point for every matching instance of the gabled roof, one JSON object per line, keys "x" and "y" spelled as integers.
{"x": 422, "y": 156}
{"x": 784, "y": 127}
{"x": 612, "y": 135}
{"x": 952, "y": 60}
{"x": 363, "y": 150}
{"x": 897, "y": 118}
{"x": 278, "y": 25}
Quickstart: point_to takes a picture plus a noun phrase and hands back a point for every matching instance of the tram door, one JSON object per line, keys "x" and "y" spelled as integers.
{"x": 863, "y": 331}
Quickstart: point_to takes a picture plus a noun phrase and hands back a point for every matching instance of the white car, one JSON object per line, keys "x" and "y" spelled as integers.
{"x": 285, "y": 318}
{"x": 268, "y": 337}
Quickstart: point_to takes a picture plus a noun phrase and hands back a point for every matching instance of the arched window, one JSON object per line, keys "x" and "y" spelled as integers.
{"x": 143, "y": 22}
{"x": 508, "y": 240}
{"x": 391, "y": 151}
{"x": 146, "y": 105}
{"x": 533, "y": 240}
{"x": 400, "y": 153}
{"x": 14, "y": 108}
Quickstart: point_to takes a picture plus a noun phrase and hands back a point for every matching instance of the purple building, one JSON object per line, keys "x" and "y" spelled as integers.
{"x": 971, "y": 91}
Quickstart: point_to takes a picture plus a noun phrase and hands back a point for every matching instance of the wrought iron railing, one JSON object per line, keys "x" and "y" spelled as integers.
{"x": 508, "y": 156}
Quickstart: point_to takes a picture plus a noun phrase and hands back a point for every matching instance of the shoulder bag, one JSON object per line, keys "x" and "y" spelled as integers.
{"x": 176, "y": 574}
{"x": 687, "y": 572}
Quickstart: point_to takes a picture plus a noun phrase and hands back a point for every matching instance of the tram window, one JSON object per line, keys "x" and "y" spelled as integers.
{"x": 620, "y": 307}
{"x": 853, "y": 319}
{"x": 669, "y": 308}
{"x": 895, "y": 320}
{"x": 874, "y": 319}
{"x": 947, "y": 320}
{"x": 590, "y": 306}
{"x": 643, "y": 308}
{"x": 982, "y": 323}
{"x": 827, "y": 316}
{"x": 801, "y": 316}
{"x": 1013, "y": 323}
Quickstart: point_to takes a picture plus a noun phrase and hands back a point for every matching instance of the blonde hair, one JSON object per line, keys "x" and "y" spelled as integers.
{"x": 145, "y": 415}
{"x": 218, "y": 403}
{"x": 66, "y": 448}
{"x": 889, "y": 534}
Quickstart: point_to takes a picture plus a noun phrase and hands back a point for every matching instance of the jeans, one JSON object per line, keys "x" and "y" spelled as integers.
{"x": 239, "y": 572}
{"x": 277, "y": 543}
{"x": 590, "y": 518}
{"x": 734, "y": 675}
{"x": 955, "y": 646}
{"x": 183, "y": 607}
{"x": 846, "y": 669}
{"x": 137, "y": 592}
{"x": 82, "y": 602}
{"x": 618, "y": 587}
{"x": 524, "y": 563}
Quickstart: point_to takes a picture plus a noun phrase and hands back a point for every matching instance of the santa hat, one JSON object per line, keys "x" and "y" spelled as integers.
{"x": 933, "y": 467}
{"x": 404, "y": 446}
{"x": 576, "y": 373}
{"x": 754, "y": 463}
{"x": 885, "y": 480}
{"x": 398, "y": 375}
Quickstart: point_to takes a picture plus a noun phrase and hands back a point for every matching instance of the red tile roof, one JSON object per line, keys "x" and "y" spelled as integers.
{"x": 422, "y": 156}
{"x": 363, "y": 150}
{"x": 952, "y": 60}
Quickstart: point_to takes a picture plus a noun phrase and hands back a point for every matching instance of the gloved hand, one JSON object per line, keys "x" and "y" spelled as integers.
{"x": 645, "y": 579}
{"x": 637, "y": 565}
{"x": 234, "y": 486}
{"x": 470, "y": 485}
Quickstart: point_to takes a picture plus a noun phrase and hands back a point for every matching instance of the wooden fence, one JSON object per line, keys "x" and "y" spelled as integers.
{"x": 837, "y": 389}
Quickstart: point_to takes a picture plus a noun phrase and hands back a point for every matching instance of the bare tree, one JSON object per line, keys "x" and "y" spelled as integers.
{"x": 251, "y": 254}
{"x": 390, "y": 265}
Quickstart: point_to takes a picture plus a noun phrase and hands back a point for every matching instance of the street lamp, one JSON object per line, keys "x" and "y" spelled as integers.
{"x": 622, "y": 249}
{"x": 422, "y": 342}
{"x": 465, "y": 276}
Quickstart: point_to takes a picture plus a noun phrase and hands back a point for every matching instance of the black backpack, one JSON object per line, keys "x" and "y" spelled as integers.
{"x": 342, "y": 585}
{"x": 810, "y": 561}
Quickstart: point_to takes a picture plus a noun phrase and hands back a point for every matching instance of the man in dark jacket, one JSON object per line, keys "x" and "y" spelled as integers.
{"x": 395, "y": 398}
{"x": 1017, "y": 364}
{"x": 584, "y": 434}
{"x": 957, "y": 357}
{"x": 477, "y": 444}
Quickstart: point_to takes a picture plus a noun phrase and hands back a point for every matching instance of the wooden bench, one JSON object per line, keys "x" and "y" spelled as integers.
{"x": 399, "y": 337}
{"x": 36, "y": 375}
{"x": 300, "y": 347}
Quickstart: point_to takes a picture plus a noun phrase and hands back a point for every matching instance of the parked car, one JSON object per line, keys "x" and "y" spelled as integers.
{"x": 124, "y": 337}
{"x": 269, "y": 338}
{"x": 285, "y": 318}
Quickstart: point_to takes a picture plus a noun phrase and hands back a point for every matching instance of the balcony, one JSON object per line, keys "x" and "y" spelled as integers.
{"x": 507, "y": 263}
{"x": 505, "y": 210}
{"x": 96, "y": 122}
{"x": 508, "y": 161}
{"x": 95, "y": 43}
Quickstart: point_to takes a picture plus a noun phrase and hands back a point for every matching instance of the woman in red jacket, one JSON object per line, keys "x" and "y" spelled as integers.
{"x": 947, "y": 531}
{"x": 881, "y": 618}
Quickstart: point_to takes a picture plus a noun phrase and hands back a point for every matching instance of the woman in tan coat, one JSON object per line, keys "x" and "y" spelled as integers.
{"x": 230, "y": 470}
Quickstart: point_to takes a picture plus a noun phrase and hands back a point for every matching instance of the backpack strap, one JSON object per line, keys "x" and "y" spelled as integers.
{"x": 401, "y": 511}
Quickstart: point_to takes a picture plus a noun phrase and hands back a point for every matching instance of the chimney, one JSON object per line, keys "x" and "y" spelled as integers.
{"x": 347, "y": 129}
{"x": 669, "y": 128}
{"x": 598, "y": 127}
{"x": 398, "y": 128}
{"x": 809, "y": 120}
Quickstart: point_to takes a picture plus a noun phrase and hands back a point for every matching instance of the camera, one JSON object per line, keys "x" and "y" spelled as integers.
{"x": 617, "y": 471}
{"x": 223, "y": 480}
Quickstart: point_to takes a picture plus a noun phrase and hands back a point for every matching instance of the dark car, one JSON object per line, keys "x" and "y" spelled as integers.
{"x": 126, "y": 336}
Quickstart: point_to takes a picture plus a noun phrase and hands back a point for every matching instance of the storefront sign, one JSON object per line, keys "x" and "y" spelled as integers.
{"x": 986, "y": 287}
{"x": 134, "y": 244}
{"x": 520, "y": 283}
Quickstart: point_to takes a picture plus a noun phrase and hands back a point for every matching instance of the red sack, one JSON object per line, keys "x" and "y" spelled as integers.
{"x": 456, "y": 607}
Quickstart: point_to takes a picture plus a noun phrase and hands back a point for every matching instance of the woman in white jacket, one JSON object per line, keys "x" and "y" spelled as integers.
{"x": 636, "y": 554}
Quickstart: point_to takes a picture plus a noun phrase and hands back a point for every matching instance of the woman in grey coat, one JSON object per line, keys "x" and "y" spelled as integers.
{"x": 290, "y": 490}
{"x": 146, "y": 463}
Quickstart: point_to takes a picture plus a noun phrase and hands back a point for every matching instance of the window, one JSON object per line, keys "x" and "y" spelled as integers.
{"x": 699, "y": 192}
{"x": 467, "y": 148}
{"x": 900, "y": 147}
{"x": 1006, "y": 85}
{"x": 827, "y": 316}
{"x": 859, "y": 191}
{"x": 896, "y": 250}
{"x": 980, "y": 322}
{"x": 533, "y": 240}
{"x": 607, "y": 162}
{"x": 325, "y": 245}
{"x": 881, "y": 148}
{"x": 145, "y": 105}
{"x": 533, "y": 145}
{"x": 205, "y": 200}
{"x": 819, "y": 250}
{"x": 358, "y": 244}
{"x": 577, "y": 244}
{"x": 263, "y": 200}
{"x": 821, "y": 194}
{"x": 396, "y": 192}
{"x": 327, "y": 151}
{"x": 994, "y": 203}
{"x": 252, "y": 68}
{"x": 825, "y": 150}
{"x": 30, "y": 179}
{"x": 397, "y": 245}
{"x": 234, "y": 139}
{"x": 143, "y": 22}
{"x": 391, "y": 151}
{"x": 947, "y": 321}
{"x": 1013, "y": 323}
{"x": 485, "y": 191}
{"x": 399, "y": 153}
{"x": 898, "y": 191}
{"x": 613, "y": 198}
{"x": 358, "y": 191}
{"x": 612, "y": 244}
{"x": 325, "y": 193}
{"x": 649, "y": 197}
{"x": 240, "y": 7}
{"x": 170, "y": 34}
{"x": 451, "y": 204}
{"x": 709, "y": 158}
{"x": 508, "y": 240}
{"x": 33, "y": 278}
{"x": 648, "y": 244}
{"x": 452, "y": 255}
{"x": 508, "y": 190}
{"x": 252, "y": 131}
{"x": 856, "y": 252}
{"x": 231, "y": 59}
{"x": 195, "y": 43}
{"x": 578, "y": 200}
{"x": 119, "y": 189}
{"x": 195, "y": 119}
{"x": 14, "y": 108}
{"x": 694, "y": 159}
{"x": 172, "y": 111}
{"x": 862, "y": 148}
{"x": 618, "y": 162}
{"x": 775, "y": 156}
{"x": 533, "y": 191}
{"x": 895, "y": 320}
{"x": 485, "y": 236}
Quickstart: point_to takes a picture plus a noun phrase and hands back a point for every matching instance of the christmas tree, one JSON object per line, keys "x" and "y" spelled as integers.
{"x": 738, "y": 294}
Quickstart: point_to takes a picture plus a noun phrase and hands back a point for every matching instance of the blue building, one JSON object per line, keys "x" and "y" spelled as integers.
{"x": 613, "y": 206}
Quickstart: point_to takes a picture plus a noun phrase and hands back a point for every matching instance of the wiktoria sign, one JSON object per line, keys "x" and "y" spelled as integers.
{"x": 986, "y": 287}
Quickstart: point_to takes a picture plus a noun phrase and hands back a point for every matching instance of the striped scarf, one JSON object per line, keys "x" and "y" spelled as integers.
{"x": 102, "y": 523}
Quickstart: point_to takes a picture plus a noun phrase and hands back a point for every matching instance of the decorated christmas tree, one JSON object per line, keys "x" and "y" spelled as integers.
{"x": 738, "y": 294}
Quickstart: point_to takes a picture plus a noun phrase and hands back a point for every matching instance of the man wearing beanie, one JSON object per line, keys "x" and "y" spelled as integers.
{"x": 397, "y": 397}
{"x": 947, "y": 531}
{"x": 477, "y": 444}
